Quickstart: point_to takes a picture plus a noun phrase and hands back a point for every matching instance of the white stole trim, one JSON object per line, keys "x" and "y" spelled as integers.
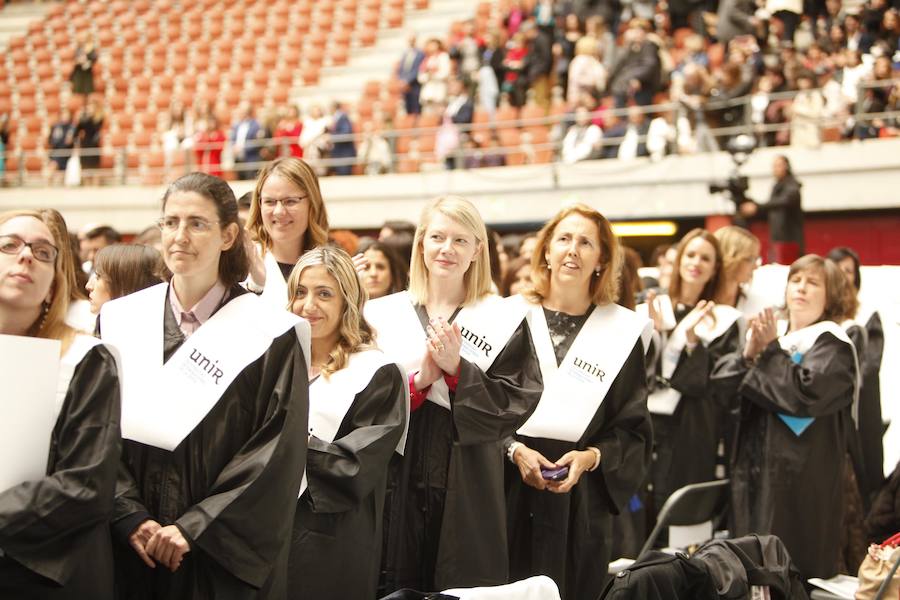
{"x": 802, "y": 340}
{"x": 276, "y": 289}
{"x": 330, "y": 399}
{"x": 486, "y": 327}
{"x": 665, "y": 401}
{"x": 163, "y": 403}
{"x": 574, "y": 391}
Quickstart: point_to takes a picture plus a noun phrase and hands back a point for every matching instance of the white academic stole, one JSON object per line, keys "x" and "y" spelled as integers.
{"x": 575, "y": 389}
{"x": 664, "y": 401}
{"x": 797, "y": 344}
{"x": 486, "y": 327}
{"x": 331, "y": 398}
{"x": 163, "y": 403}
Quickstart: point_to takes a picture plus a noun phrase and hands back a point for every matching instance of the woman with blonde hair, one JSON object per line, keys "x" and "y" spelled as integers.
{"x": 469, "y": 354}
{"x": 585, "y": 450}
{"x": 358, "y": 411}
{"x": 54, "y": 524}
{"x": 287, "y": 218}
{"x": 740, "y": 257}
{"x": 796, "y": 381}
{"x": 692, "y": 332}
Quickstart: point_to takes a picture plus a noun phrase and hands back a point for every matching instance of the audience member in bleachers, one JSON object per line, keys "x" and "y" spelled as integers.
{"x": 342, "y": 148}
{"x": 636, "y": 73}
{"x": 315, "y": 139}
{"x": 61, "y": 143}
{"x": 565, "y": 47}
{"x": 806, "y": 112}
{"x": 538, "y": 62}
{"x": 209, "y": 143}
{"x": 583, "y": 139}
{"x": 288, "y": 132}
{"x": 374, "y": 151}
{"x": 82, "y": 76}
{"x": 586, "y": 73}
{"x": 87, "y": 132}
{"x": 245, "y": 137}
{"x": 408, "y": 74}
{"x": 466, "y": 51}
{"x": 460, "y": 111}
{"x": 434, "y": 72}
{"x": 796, "y": 382}
{"x": 634, "y": 142}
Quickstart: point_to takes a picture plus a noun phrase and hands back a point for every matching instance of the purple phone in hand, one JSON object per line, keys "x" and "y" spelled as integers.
{"x": 557, "y": 474}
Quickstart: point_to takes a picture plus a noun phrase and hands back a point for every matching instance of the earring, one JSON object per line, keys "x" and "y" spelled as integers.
{"x": 597, "y": 272}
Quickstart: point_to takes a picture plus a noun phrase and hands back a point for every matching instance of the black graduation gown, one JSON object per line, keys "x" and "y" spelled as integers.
{"x": 871, "y": 428}
{"x": 230, "y": 486}
{"x": 337, "y": 537}
{"x": 55, "y": 531}
{"x": 447, "y": 525}
{"x": 568, "y": 536}
{"x": 686, "y": 442}
{"x": 783, "y": 484}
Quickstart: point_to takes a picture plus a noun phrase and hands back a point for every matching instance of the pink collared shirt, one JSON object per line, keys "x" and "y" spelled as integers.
{"x": 190, "y": 321}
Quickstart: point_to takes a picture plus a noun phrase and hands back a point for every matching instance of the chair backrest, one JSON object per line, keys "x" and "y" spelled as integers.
{"x": 693, "y": 504}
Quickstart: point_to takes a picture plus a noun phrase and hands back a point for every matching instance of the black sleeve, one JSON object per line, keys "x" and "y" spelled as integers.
{"x": 691, "y": 376}
{"x": 871, "y": 361}
{"x": 40, "y": 521}
{"x": 343, "y": 472}
{"x": 488, "y": 407}
{"x": 241, "y": 522}
{"x": 821, "y": 385}
{"x": 623, "y": 433}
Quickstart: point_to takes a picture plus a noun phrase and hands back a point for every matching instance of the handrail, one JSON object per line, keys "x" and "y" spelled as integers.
{"x": 121, "y": 172}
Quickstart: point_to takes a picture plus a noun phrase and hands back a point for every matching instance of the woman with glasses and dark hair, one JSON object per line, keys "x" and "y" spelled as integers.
{"x": 796, "y": 382}
{"x": 54, "y": 533}
{"x": 214, "y": 414}
{"x": 871, "y": 427}
{"x": 359, "y": 403}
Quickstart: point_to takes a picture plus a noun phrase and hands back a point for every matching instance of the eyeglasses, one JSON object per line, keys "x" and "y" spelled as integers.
{"x": 287, "y": 203}
{"x": 40, "y": 250}
{"x": 195, "y": 225}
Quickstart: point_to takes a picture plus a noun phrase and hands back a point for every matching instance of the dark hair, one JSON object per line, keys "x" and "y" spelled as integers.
{"x": 246, "y": 200}
{"x": 234, "y": 264}
{"x": 712, "y": 286}
{"x": 494, "y": 256}
{"x": 106, "y": 232}
{"x": 128, "y": 268}
{"x": 398, "y": 227}
{"x": 402, "y": 244}
{"x": 840, "y": 253}
{"x": 398, "y": 265}
{"x": 630, "y": 285}
{"x": 509, "y": 278}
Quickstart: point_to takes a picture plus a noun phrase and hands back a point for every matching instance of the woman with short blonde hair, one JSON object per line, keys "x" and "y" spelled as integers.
{"x": 473, "y": 378}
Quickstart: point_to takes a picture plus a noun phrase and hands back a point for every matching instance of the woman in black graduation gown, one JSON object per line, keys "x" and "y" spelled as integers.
{"x": 447, "y": 520}
{"x": 54, "y": 535}
{"x": 287, "y": 217}
{"x": 201, "y": 514}
{"x": 358, "y": 410}
{"x": 796, "y": 383}
{"x": 871, "y": 428}
{"x": 686, "y": 438}
{"x": 562, "y": 528}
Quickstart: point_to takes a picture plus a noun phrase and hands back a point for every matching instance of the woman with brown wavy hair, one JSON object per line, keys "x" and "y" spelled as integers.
{"x": 692, "y": 332}
{"x": 796, "y": 382}
{"x": 54, "y": 525}
{"x": 358, "y": 413}
{"x": 585, "y": 450}
{"x": 287, "y": 218}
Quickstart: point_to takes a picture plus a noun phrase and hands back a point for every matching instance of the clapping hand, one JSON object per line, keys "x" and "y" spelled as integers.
{"x": 693, "y": 318}
{"x": 444, "y": 343}
{"x": 763, "y": 331}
